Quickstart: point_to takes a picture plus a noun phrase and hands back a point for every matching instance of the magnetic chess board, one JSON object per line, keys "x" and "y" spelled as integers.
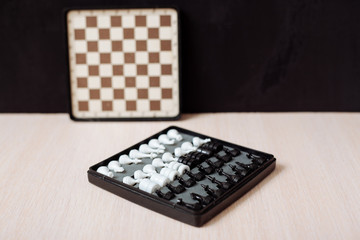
{"x": 123, "y": 63}
{"x": 182, "y": 174}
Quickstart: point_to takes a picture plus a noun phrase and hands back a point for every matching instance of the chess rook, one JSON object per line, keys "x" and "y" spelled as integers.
{"x": 105, "y": 171}
{"x": 174, "y": 134}
{"x": 164, "y": 139}
{"x": 198, "y": 141}
{"x": 126, "y": 160}
{"x": 115, "y": 166}
{"x": 154, "y": 143}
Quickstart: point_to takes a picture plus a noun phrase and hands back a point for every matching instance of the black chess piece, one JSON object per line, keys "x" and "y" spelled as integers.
{"x": 216, "y": 164}
{"x": 212, "y": 192}
{"x": 233, "y": 152}
{"x": 204, "y": 200}
{"x": 256, "y": 159}
{"x": 176, "y": 189}
{"x": 198, "y": 156}
{"x": 206, "y": 170}
{"x": 192, "y": 206}
{"x": 214, "y": 146}
{"x": 196, "y": 176}
{"x": 238, "y": 171}
{"x": 223, "y": 185}
{"x": 229, "y": 177}
{"x": 225, "y": 158}
{"x": 168, "y": 195}
{"x": 205, "y": 151}
{"x": 250, "y": 167}
{"x": 187, "y": 183}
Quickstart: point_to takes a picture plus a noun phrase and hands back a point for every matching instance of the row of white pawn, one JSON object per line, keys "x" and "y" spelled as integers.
{"x": 150, "y": 180}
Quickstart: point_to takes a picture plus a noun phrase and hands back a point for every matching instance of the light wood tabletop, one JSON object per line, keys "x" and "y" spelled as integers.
{"x": 314, "y": 192}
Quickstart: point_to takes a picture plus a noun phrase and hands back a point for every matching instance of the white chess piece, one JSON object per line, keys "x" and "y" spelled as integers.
{"x": 148, "y": 186}
{"x": 154, "y": 143}
{"x": 198, "y": 141}
{"x": 115, "y": 166}
{"x": 164, "y": 139}
{"x": 174, "y": 134}
{"x": 187, "y": 147}
{"x": 126, "y": 160}
{"x": 179, "y": 152}
{"x": 138, "y": 174}
{"x": 130, "y": 181}
{"x": 179, "y": 167}
{"x": 148, "y": 168}
{"x": 168, "y": 157}
{"x": 104, "y": 170}
{"x": 157, "y": 162}
{"x": 136, "y": 154}
{"x": 169, "y": 173}
{"x": 144, "y": 148}
{"x": 156, "y": 177}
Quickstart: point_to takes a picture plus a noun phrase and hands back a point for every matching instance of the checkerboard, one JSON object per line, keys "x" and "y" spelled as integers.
{"x": 123, "y": 63}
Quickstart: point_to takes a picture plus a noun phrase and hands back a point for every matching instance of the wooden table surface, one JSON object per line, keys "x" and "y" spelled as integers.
{"x": 314, "y": 192}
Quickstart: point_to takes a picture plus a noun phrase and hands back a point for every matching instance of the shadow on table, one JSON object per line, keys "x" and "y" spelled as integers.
{"x": 279, "y": 168}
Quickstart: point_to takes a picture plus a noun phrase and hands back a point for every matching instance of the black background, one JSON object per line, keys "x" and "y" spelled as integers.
{"x": 261, "y": 55}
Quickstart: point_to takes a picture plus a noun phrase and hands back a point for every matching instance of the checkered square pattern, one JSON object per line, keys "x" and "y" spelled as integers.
{"x": 124, "y": 63}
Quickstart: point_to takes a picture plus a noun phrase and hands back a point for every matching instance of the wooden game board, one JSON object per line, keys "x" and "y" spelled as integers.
{"x": 123, "y": 63}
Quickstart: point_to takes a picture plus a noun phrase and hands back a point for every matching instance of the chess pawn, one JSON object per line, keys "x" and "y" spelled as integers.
{"x": 104, "y": 170}
{"x": 229, "y": 177}
{"x": 148, "y": 168}
{"x": 126, "y": 160}
{"x": 154, "y": 143}
{"x": 160, "y": 179}
{"x": 179, "y": 152}
{"x": 148, "y": 186}
{"x": 174, "y": 134}
{"x": 157, "y": 162}
{"x": 136, "y": 154}
{"x": 198, "y": 141}
{"x": 214, "y": 193}
{"x": 242, "y": 171}
{"x": 138, "y": 174}
{"x": 115, "y": 166}
{"x": 168, "y": 157}
{"x": 130, "y": 181}
{"x": 192, "y": 206}
{"x": 144, "y": 148}
{"x": 164, "y": 139}
{"x": 187, "y": 147}
{"x": 250, "y": 167}
{"x": 223, "y": 185}
{"x": 204, "y": 200}
{"x": 169, "y": 173}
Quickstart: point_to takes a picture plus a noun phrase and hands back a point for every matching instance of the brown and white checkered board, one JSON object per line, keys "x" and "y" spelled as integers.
{"x": 123, "y": 63}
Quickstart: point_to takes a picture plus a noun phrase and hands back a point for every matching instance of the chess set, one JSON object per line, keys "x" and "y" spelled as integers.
{"x": 182, "y": 174}
{"x": 123, "y": 64}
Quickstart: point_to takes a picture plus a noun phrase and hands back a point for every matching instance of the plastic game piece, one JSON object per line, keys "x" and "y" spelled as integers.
{"x": 104, "y": 170}
{"x": 138, "y": 174}
{"x": 183, "y": 168}
{"x": 148, "y": 168}
{"x": 148, "y": 185}
{"x": 229, "y": 177}
{"x": 115, "y": 166}
{"x": 144, "y": 148}
{"x": 197, "y": 156}
{"x": 168, "y": 195}
{"x": 154, "y": 143}
{"x": 233, "y": 152}
{"x": 187, "y": 183}
{"x": 179, "y": 152}
{"x": 130, "y": 181}
{"x": 196, "y": 176}
{"x": 205, "y": 151}
{"x": 225, "y": 158}
{"x": 126, "y": 160}
{"x": 242, "y": 171}
{"x": 168, "y": 157}
{"x": 169, "y": 173}
{"x": 174, "y": 134}
{"x": 198, "y": 141}
{"x": 136, "y": 154}
{"x": 187, "y": 147}
{"x": 250, "y": 166}
{"x": 214, "y": 146}
{"x": 216, "y": 164}
{"x": 223, "y": 185}
{"x": 256, "y": 159}
{"x": 164, "y": 139}
{"x": 203, "y": 200}
{"x": 206, "y": 170}
{"x": 176, "y": 189}
{"x": 214, "y": 193}
{"x": 193, "y": 206}
{"x": 159, "y": 179}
